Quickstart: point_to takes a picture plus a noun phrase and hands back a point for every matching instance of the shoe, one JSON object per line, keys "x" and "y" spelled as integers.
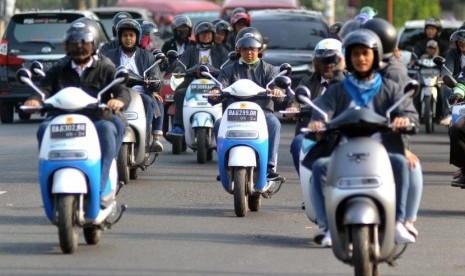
{"x": 176, "y": 131}
{"x": 411, "y": 228}
{"x": 323, "y": 237}
{"x": 156, "y": 146}
{"x": 446, "y": 121}
{"x": 402, "y": 235}
{"x": 271, "y": 175}
{"x": 107, "y": 201}
{"x": 459, "y": 182}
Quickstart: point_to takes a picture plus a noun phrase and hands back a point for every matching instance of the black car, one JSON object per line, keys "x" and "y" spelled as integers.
{"x": 291, "y": 36}
{"x": 31, "y": 36}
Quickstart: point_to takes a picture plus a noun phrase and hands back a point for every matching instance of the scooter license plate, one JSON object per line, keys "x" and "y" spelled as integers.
{"x": 199, "y": 88}
{"x": 60, "y": 131}
{"x": 242, "y": 115}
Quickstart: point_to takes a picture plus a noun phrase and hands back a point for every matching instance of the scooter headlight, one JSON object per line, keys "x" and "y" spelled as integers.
{"x": 242, "y": 134}
{"x": 67, "y": 155}
{"x": 130, "y": 115}
{"x": 358, "y": 182}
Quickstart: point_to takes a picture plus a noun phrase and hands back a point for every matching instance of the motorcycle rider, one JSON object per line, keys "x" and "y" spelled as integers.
{"x": 206, "y": 52}
{"x": 114, "y": 42}
{"x": 433, "y": 28}
{"x": 239, "y": 21}
{"x": 131, "y": 56}
{"x": 182, "y": 30}
{"x": 150, "y": 36}
{"x": 328, "y": 64}
{"x": 367, "y": 88}
{"x": 251, "y": 66}
{"x": 82, "y": 68}
{"x": 223, "y": 29}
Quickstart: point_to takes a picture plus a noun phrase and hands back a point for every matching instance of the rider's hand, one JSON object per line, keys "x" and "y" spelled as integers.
{"x": 115, "y": 104}
{"x": 316, "y": 126}
{"x": 157, "y": 97}
{"x": 412, "y": 159}
{"x": 455, "y": 98}
{"x": 276, "y": 92}
{"x": 292, "y": 112}
{"x": 32, "y": 103}
{"x": 400, "y": 123}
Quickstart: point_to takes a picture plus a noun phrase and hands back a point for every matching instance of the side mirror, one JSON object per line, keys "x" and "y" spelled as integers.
{"x": 449, "y": 81}
{"x": 123, "y": 73}
{"x": 202, "y": 70}
{"x": 233, "y": 56}
{"x": 285, "y": 67}
{"x": 156, "y": 51}
{"x": 37, "y": 69}
{"x": 412, "y": 87}
{"x": 283, "y": 82}
{"x": 439, "y": 61}
{"x": 22, "y": 74}
{"x": 172, "y": 54}
{"x": 301, "y": 93}
{"x": 160, "y": 56}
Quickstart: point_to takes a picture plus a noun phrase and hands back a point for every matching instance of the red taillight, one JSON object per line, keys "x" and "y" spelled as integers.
{"x": 5, "y": 59}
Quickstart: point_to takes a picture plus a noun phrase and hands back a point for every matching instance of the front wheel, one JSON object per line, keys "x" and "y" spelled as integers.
{"x": 361, "y": 250}
{"x": 66, "y": 218}
{"x": 240, "y": 196}
{"x": 122, "y": 164}
{"x": 201, "y": 138}
{"x": 92, "y": 234}
{"x": 428, "y": 114}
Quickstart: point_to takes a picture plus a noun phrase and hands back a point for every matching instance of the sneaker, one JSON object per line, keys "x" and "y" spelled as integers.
{"x": 271, "y": 175}
{"x": 156, "y": 146}
{"x": 459, "y": 182}
{"x": 446, "y": 121}
{"x": 323, "y": 237}
{"x": 176, "y": 131}
{"x": 402, "y": 235}
{"x": 411, "y": 228}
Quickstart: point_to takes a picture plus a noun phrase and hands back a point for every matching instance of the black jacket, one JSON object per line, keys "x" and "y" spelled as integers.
{"x": 144, "y": 59}
{"x": 453, "y": 62}
{"x": 420, "y": 46}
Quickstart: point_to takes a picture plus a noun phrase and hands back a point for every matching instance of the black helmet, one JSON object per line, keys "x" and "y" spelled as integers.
{"x": 94, "y": 27}
{"x": 366, "y": 38}
{"x": 223, "y": 25}
{"x": 180, "y": 20}
{"x": 435, "y": 23}
{"x": 80, "y": 31}
{"x": 335, "y": 28}
{"x": 129, "y": 24}
{"x": 117, "y": 18}
{"x": 348, "y": 27}
{"x": 251, "y": 32}
{"x": 457, "y": 36}
{"x": 204, "y": 27}
{"x": 386, "y": 32}
{"x": 150, "y": 28}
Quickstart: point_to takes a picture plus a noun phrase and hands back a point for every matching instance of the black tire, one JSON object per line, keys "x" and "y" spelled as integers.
{"x": 427, "y": 114}
{"x": 7, "y": 113}
{"x": 176, "y": 143}
{"x": 122, "y": 164}
{"x": 67, "y": 229}
{"x": 240, "y": 196}
{"x": 23, "y": 115}
{"x": 209, "y": 155}
{"x": 201, "y": 138}
{"x": 134, "y": 173}
{"x": 255, "y": 202}
{"x": 361, "y": 250}
{"x": 92, "y": 234}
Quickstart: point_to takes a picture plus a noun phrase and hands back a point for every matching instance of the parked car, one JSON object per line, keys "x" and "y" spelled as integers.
{"x": 249, "y": 5}
{"x": 291, "y": 35}
{"x": 106, "y": 14}
{"x": 31, "y": 36}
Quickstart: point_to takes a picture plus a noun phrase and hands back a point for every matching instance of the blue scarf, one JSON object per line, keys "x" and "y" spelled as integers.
{"x": 362, "y": 92}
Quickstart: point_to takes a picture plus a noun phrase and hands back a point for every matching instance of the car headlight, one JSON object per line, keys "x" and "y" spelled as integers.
{"x": 241, "y": 134}
{"x": 67, "y": 155}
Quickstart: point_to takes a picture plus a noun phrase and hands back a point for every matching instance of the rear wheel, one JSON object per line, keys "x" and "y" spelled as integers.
{"x": 240, "y": 197}
{"x": 176, "y": 143}
{"x": 92, "y": 234}
{"x": 361, "y": 250}
{"x": 122, "y": 164}
{"x": 427, "y": 114}
{"x": 201, "y": 138}
{"x": 7, "y": 113}
{"x": 67, "y": 229}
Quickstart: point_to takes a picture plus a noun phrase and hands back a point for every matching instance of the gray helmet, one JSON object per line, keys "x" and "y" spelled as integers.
{"x": 80, "y": 31}
{"x": 117, "y": 18}
{"x": 366, "y": 38}
{"x": 93, "y": 27}
{"x": 435, "y": 23}
{"x": 348, "y": 27}
{"x": 457, "y": 36}
{"x": 150, "y": 28}
{"x": 223, "y": 25}
{"x": 251, "y": 32}
{"x": 180, "y": 20}
{"x": 129, "y": 24}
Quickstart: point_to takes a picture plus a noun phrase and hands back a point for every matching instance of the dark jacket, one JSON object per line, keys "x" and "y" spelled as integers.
{"x": 261, "y": 73}
{"x": 100, "y": 74}
{"x": 336, "y": 100}
{"x": 453, "y": 62}
{"x": 144, "y": 59}
{"x": 420, "y": 46}
{"x": 113, "y": 44}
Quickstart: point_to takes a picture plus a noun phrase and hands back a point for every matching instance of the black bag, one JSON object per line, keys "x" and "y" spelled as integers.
{"x": 322, "y": 148}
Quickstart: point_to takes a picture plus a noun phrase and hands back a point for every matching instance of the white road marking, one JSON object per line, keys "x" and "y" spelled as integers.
{"x": 2, "y": 192}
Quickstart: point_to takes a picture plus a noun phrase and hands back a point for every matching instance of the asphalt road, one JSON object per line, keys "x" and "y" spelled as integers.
{"x": 180, "y": 221}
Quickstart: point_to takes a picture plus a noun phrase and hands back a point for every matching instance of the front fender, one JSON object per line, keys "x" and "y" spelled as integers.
{"x": 242, "y": 156}
{"x": 69, "y": 181}
{"x": 429, "y": 91}
{"x": 202, "y": 119}
{"x": 361, "y": 210}
{"x": 129, "y": 135}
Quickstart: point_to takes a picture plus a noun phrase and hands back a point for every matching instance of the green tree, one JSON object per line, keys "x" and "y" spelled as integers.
{"x": 404, "y": 10}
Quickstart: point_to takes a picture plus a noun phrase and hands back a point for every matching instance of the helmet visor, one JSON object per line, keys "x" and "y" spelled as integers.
{"x": 79, "y": 37}
{"x": 248, "y": 42}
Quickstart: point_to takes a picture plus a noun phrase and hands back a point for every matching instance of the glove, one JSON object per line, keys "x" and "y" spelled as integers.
{"x": 455, "y": 98}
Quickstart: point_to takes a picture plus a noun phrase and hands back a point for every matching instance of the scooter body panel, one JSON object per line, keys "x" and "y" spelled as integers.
{"x": 137, "y": 122}
{"x": 305, "y": 176}
{"x": 243, "y": 126}
{"x": 360, "y": 169}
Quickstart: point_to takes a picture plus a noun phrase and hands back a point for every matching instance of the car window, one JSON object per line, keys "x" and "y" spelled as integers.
{"x": 410, "y": 36}
{"x": 291, "y": 34}
{"x": 196, "y": 17}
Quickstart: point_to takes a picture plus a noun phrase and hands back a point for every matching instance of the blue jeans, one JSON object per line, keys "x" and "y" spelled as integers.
{"x": 110, "y": 134}
{"x": 149, "y": 104}
{"x": 157, "y": 123}
{"x": 415, "y": 191}
{"x": 401, "y": 177}
{"x": 296, "y": 145}
{"x": 274, "y": 136}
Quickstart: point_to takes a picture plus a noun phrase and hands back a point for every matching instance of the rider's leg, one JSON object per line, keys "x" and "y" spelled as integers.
{"x": 274, "y": 135}
{"x": 157, "y": 128}
{"x": 148, "y": 106}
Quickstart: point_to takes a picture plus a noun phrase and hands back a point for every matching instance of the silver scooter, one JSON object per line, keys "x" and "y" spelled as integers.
{"x": 360, "y": 197}
{"x": 133, "y": 156}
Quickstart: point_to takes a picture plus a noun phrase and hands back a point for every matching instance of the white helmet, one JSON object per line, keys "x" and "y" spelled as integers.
{"x": 327, "y": 49}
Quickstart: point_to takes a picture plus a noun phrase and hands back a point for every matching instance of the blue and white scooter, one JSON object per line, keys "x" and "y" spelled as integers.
{"x": 70, "y": 165}
{"x": 242, "y": 145}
